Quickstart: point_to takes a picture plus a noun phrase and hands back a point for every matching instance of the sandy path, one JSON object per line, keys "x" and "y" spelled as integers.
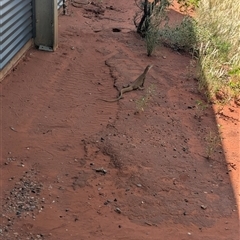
{"x": 158, "y": 183}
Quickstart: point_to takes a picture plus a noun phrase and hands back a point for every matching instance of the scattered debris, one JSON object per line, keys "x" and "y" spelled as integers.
{"x": 22, "y": 201}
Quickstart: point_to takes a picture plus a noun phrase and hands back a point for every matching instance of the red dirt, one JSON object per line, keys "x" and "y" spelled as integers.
{"x": 158, "y": 182}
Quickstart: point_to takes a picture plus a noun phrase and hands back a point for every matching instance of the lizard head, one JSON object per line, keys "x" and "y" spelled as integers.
{"x": 148, "y": 68}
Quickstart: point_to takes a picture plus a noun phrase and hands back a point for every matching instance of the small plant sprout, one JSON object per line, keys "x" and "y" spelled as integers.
{"x": 142, "y": 102}
{"x": 200, "y": 109}
{"x": 213, "y": 141}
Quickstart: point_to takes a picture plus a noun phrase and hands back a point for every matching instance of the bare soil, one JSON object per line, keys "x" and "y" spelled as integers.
{"x": 150, "y": 166}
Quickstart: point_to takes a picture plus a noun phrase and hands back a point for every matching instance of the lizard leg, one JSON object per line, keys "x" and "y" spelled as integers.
{"x": 126, "y": 85}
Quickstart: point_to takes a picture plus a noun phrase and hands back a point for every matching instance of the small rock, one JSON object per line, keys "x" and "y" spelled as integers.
{"x": 204, "y": 207}
{"x": 97, "y": 30}
{"x": 107, "y": 202}
{"x": 149, "y": 224}
{"x": 118, "y": 210}
{"x": 101, "y": 170}
{"x": 116, "y": 30}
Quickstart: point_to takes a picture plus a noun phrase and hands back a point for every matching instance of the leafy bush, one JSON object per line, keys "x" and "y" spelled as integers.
{"x": 180, "y": 37}
{"x": 153, "y": 14}
{"x": 152, "y": 39}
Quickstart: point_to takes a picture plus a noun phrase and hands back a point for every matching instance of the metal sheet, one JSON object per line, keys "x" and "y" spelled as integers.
{"x": 16, "y": 27}
{"x": 46, "y": 24}
{"x": 60, "y": 3}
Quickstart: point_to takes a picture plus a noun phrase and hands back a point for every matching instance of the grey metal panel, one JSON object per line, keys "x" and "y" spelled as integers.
{"x": 16, "y": 27}
{"x": 60, "y": 3}
{"x": 46, "y": 24}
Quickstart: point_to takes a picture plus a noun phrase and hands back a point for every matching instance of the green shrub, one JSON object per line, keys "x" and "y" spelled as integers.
{"x": 213, "y": 37}
{"x": 186, "y": 5}
{"x": 151, "y": 39}
{"x": 153, "y": 14}
{"x": 180, "y": 37}
{"x": 218, "y": 34}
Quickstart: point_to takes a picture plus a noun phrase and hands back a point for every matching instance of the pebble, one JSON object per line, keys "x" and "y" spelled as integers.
{"x": 118, "y": 210}
{"x": 204, "y": 207}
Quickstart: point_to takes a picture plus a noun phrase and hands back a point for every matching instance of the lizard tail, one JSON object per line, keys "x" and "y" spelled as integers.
{"x": 112, "y": 100}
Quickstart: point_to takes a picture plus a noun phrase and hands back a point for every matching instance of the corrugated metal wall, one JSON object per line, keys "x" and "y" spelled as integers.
{"x": 16, "y": 27}
{"x": 60, "y": 3}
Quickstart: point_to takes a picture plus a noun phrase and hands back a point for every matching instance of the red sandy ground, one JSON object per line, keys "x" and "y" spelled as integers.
{"x": 56, "y": 133}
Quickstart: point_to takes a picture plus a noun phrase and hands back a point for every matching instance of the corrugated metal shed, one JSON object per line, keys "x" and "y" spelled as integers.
{"x": 60, "y": 3}
{"x": 16, "y": 27}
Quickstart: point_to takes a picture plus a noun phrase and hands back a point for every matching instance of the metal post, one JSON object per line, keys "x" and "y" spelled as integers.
{"x": 46, "y": 25}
